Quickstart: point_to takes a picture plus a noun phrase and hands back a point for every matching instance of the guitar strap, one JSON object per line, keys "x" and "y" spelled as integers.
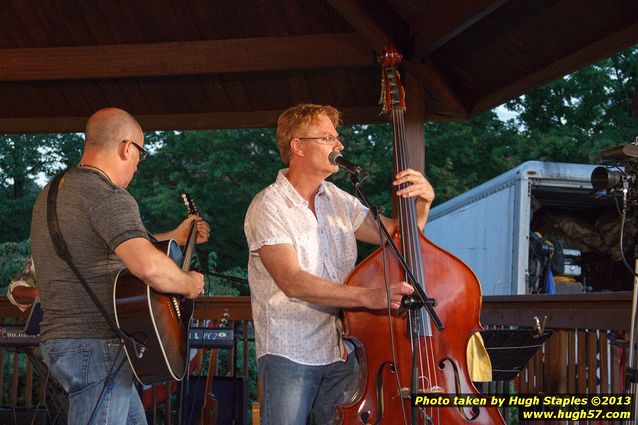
{"x": 63, "y": 252}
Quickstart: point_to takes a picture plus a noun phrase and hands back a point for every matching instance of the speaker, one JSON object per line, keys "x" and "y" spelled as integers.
{"x": 231, "y": 394}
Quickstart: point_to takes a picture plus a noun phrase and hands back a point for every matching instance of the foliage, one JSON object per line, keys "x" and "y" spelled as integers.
{"x": 25, "y": 158}
{"x": 464, "y": 154}
{"x": 9, "y": 361}
{"x": 574, "y": 118}
{"x": 13, "y": 257}
{"x": 15, "y": 214}
{"x": 222, "y": 171}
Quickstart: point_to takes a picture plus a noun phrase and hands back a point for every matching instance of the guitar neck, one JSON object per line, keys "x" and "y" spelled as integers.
{"x": 192, "y": 236}
{"x": 190, "y": 246}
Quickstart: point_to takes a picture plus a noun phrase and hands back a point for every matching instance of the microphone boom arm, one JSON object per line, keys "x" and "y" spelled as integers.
{"x": 336, "y": 158}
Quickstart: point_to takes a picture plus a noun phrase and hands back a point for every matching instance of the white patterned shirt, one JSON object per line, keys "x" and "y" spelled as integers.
{"x": 326, "y": 247}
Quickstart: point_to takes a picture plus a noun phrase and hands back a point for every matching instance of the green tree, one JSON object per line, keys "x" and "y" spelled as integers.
{"x": 13, "y": 257}
{"x": 370, "y": 146}
{"x": 23, "y": 159}
{"x": 574, "y": 118}
{"x": 461, "y": 155}
{"x": 222, "y": 171}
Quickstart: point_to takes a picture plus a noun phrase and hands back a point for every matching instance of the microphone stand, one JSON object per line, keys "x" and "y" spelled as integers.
{"x": 408, "y": 302}
{"x": 630, "y": 386}
{"x": 631, "y": 369}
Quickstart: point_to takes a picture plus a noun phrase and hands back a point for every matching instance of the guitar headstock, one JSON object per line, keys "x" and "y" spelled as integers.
{"x": 392, "y": 93}
{"x": 225, "y": 321}
{"x": 190, "y": 204}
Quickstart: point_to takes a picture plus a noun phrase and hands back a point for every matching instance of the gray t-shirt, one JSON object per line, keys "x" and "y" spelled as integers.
{"x": 95, "y": 216}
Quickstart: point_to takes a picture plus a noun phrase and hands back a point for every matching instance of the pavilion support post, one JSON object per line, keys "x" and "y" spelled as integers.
{"x": 415, "y": 121}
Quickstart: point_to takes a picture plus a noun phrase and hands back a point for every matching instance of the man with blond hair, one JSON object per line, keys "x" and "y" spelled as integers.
{"x": 100, "y": 222}
{"x": 301, "y": 233}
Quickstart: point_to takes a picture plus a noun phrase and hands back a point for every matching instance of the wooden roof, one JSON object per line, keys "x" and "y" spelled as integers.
{"x": 179, "y": 64}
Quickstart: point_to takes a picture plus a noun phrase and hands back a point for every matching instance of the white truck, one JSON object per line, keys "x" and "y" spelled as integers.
{"x": 489, "y": 226}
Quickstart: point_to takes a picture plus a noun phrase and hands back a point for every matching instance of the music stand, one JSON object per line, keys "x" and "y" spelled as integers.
{"x": 511, "y": 349}
{"x": 32, "y": 326}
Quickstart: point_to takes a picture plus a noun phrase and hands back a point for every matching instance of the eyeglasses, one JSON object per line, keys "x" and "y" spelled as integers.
{"x": 326, "y": 140}
{"x": 143, "y": 152}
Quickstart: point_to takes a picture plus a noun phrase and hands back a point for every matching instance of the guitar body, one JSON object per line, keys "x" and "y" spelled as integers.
{"x": 160, "y": 322}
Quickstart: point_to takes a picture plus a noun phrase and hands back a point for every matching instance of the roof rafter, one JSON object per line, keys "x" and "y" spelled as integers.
{"x": 359, "y": 18}
{"x": 443, "y": 20}
{"x": 354, "y": 12}
{"x": 185, "y": 58}
{"x": 614, "y": 42}
{"x": 192, "y": 121}
{"x": 437, "y": 85}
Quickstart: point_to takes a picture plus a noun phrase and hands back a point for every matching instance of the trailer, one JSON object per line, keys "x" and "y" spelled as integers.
{"x": 489, "y": 228}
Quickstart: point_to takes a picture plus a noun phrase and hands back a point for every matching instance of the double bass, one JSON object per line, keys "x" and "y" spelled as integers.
{"x": 385, "y": 340}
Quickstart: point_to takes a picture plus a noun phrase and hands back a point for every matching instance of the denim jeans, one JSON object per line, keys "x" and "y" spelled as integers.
{"x": 291, "y": 390}
{"x": 81, "y": 366}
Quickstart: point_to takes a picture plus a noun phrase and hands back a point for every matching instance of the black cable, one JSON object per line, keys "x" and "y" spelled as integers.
{"x": 42, "y": 396}
{"x": 108, "y": 381}
{"x": 622, "y": 252}
{"x": 629, "y": 388}
{"x": 222, "y": 276}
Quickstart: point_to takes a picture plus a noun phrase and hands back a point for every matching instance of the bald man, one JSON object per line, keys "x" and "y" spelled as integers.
{"x": 100, "y": 222}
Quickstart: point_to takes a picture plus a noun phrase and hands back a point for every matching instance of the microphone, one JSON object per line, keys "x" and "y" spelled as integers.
{"x": 336, "y": 158}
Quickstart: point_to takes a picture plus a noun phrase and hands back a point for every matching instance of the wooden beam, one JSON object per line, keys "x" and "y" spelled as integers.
{"x": 610, "y": 310}
{"x": 378, "y": 36}
{"x": 430, "y": 76}
{"x": 213, "y": 308}
{"x": 192, "y": 121}
{"x": 605, "y": 47}
{"x": 358, "y": 16}
{"x": 444, "y": 20}
{"x": 208, "y": 121}
{"x": 186, "y": 58}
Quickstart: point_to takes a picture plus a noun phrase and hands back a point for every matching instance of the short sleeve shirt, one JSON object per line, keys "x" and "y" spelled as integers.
{"x": 325, "y": 246}
{"x": 95, "y": 217}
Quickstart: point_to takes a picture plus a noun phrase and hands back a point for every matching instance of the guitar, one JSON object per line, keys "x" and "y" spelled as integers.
{"x": 157, "y": 324}
{"x": 210, "y": 407}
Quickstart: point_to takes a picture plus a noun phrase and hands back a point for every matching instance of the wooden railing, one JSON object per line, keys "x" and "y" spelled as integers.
{"x": 583, "y": 355}
{"x": 25, "y": 388}
{"x": 609, "y": 310}
{"x": 579, "y": 357}
{"x": 20, "y": 385}
{"x": 239, "y": 314}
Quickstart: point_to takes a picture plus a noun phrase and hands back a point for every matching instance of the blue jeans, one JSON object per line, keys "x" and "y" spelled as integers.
{"x": 291, "y": 390}
{"x": 81, "y": 366}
